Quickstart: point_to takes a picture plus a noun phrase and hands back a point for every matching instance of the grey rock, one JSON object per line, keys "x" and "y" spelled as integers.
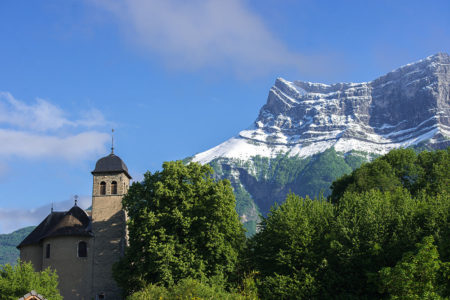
{"x": 400, "y": 106}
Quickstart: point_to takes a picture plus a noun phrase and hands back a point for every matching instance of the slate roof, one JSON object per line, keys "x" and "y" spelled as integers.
{"x": 111, "y": 164}
{"x": 74, "y": 222}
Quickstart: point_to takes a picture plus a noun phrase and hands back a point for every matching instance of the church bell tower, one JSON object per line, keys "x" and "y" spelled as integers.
{"x": 110, "y": 183}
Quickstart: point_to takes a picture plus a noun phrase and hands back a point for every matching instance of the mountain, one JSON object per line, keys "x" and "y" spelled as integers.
{"x": 8, "y": 243}
{"x": 308, "y": 134}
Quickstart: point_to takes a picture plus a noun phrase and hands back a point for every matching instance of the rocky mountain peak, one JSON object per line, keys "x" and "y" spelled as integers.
{"x": 407, "y": 106}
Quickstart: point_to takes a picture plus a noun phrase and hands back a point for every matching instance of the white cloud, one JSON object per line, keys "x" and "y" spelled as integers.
{"x": 92, "y": 118}
{"x": 42, "y": 115}
{"x": 205, "y": 34}
{"x": 13, "y": 219}
{"x": 44, "y": 130}
{"x": 30, "y": 145}
{"x": 39, "y": 130}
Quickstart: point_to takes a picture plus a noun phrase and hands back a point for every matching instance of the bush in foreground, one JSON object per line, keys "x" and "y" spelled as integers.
{"x": 190, "y": 289}
{"x": 18, "y": 280}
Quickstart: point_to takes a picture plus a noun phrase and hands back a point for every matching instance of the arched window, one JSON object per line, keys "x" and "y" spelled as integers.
{"x": 47, "y": 251}
{"x": 100, "y": 296}
{"x": 102, "y": 188}
{"x": 114, "y": 187}
{"x": 82, "y": 249}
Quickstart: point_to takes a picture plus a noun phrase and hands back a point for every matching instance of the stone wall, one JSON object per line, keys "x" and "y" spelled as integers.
{"x": 75, "y": 271}
{"x": 109, "y": 227}
{"x": 33, "y": 254}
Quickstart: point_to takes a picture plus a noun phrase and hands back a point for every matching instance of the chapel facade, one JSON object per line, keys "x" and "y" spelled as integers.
{"x": 82, "y": 245}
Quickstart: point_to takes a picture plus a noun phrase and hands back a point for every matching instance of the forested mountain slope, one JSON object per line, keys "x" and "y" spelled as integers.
{"x": 8, "y": 243}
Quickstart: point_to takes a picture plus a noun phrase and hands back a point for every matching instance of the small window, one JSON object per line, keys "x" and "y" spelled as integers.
{"x": 47, "y": 251}
{"x": 100, "y": 296}
{"x": 114, "y": 188}
{"x": 82, "y": 249}
{"x": 102, "y": 188}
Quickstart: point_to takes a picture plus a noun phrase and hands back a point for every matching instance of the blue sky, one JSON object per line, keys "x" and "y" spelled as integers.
{"x": 173, "y": 78}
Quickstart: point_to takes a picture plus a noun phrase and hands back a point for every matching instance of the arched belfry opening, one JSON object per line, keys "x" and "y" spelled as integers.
{"x": 114, "y": 188}
{"x": 102, "y": 188}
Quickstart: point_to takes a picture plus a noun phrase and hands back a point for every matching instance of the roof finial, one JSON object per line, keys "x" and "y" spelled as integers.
{"x": 112, "y": 141}
{"x": 51, "y": 209}
{"x": 76, "y": 199}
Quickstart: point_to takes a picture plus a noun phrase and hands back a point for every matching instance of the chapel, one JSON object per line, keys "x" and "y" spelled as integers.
{"x": 82, "y": 245}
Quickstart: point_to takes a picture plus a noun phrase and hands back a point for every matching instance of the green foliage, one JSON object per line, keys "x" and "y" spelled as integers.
{"x": 18, "y": 280}
{"x": 321, "y": 171}
{"x": 286, "y": 251}
{"x": 347, "y": 250}
{"x": 188, "y": 289}
{"x": 417, "y": 275}
{"x": 310, "y": 249}
{"x": 371, "y": 230}
{"x": 246, "y": 207}
{"x": 182, "y": 224}
{"x": 356, "y": 158}
{"x": 263, "y": 181}
{"x": 280, "y": 170}
{"x": 427, "y": 172}
{"x": 246, "y": 204}
{"x": 8, "y": 242}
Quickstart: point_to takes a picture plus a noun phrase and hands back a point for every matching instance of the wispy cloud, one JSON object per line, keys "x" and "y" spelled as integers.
{"x": 42, "y": 115}
{"x": 13, "y": 219}
{"x": 30, "y": 145}
{"x": 39, "y": 130}
{"x": 206, "y": 34}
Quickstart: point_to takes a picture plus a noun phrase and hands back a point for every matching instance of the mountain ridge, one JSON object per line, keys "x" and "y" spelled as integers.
{"x": 309, "y": 134}
{"x": 8, "y": 243}
{"x": 304, "y": 118}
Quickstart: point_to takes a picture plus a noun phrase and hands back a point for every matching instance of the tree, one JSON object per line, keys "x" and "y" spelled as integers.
{"x": 288, "y": 251}
{"x": 182, "y": 223}
{"x": 371, "y": 230}
{"x": 417, "y": 275}
{"x": 18, "y": 280}
{"x": 309, "y": 249}
{"x": 426, "y": 172}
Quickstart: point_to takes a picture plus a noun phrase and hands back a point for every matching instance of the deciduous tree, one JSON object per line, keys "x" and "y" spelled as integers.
{"x": 182, "y": 223}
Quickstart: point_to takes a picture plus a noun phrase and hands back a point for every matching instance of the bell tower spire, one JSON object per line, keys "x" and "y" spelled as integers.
{"x": 112, "y": 141}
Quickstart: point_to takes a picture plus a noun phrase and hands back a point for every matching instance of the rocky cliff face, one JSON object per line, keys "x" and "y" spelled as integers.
{"x": 402, "y": 108}
{"x": 301, "y": 121}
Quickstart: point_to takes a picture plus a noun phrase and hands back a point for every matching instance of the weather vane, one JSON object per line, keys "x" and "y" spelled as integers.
{"x": 76, "y": 199}
{"x": 112, "y": 140}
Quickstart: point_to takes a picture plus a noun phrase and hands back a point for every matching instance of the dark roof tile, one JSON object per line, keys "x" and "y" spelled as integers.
{"x": 74, "y": 222}
{"x": 110, "y": 164}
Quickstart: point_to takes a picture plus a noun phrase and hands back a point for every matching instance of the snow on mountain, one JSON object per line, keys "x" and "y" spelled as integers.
{"x": 405, "y": 107}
